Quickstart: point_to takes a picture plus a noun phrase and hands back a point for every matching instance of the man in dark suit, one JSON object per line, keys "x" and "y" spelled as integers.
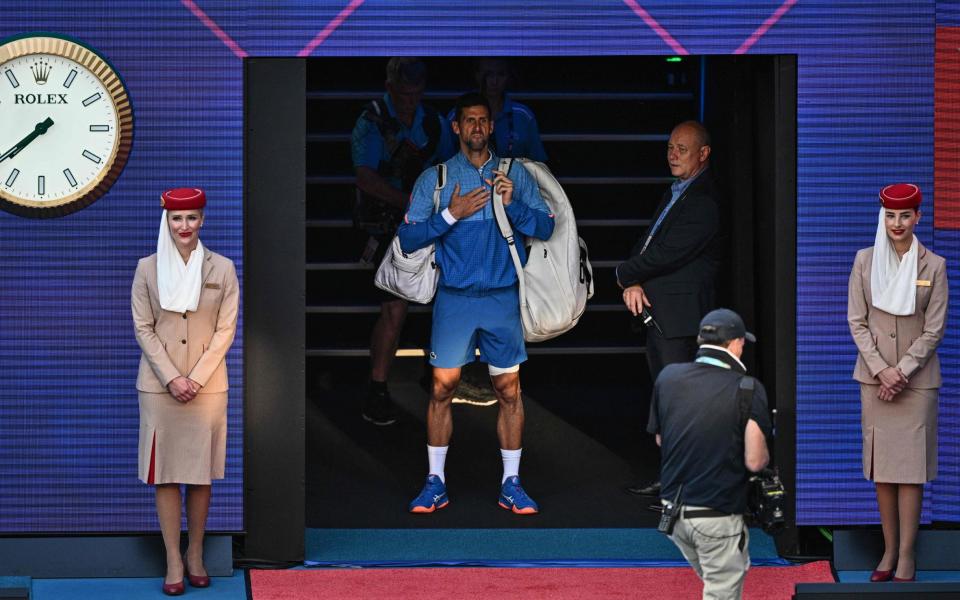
{"x": 672, "y": 267}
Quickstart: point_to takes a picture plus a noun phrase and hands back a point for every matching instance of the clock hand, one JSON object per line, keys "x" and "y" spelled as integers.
{"x": 8, "y": 153}
{"x": 39, "y": 130}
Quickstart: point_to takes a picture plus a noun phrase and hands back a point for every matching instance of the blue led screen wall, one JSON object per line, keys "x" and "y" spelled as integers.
{"x": 68, "y": 358}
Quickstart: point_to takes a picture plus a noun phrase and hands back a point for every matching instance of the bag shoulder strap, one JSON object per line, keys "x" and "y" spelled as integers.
{"x": 377, "y": 114}
{"x": 506, "y": 231}
{"x": 498, "y": 210}
{"x": 745, "y": 402}
{"x": 441, "y": 182}
{"x": 745, "y": 394}
{"x": 373, "y": 113}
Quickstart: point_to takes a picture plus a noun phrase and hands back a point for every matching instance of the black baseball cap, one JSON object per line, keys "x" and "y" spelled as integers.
{"x": 724, "y": 324}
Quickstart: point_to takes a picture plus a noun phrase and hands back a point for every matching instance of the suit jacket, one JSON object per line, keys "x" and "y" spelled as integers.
{"x": 192, "y": 344}
{"x": 678, "y": 268}
{"x": 908, "y": 342}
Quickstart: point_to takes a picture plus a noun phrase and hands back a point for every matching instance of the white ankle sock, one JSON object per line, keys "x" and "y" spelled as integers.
{"x": 437, "y": 455}
{"x": 511, "y": 462}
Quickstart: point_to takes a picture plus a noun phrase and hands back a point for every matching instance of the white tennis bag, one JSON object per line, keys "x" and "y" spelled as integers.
{"x": 558, "y": 279}
{"x": 412, "y": 276}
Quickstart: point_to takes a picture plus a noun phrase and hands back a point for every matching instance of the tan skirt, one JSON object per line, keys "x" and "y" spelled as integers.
{"x": 899, "y": 437}
{"x": 182, "y": 443}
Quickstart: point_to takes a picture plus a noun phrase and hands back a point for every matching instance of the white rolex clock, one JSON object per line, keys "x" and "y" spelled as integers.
{"x": 66, "y": 125}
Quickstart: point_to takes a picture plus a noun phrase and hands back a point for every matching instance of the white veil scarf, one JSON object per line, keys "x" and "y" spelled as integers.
{"x": 178, "y": 282}
{"x": 893, "y": 282}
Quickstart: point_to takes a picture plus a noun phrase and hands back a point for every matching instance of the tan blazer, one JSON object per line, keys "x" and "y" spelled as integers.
{"x": 908, "y": 342}
{"x": 192, "y": 344}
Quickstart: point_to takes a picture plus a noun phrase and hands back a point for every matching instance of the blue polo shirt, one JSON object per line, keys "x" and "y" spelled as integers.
{"x": 367, "y": 146}
{"x": 472, "y": 254}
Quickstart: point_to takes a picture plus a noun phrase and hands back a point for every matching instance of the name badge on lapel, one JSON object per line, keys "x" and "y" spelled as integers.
{"x": 212, "y": 286}
{"x": 923, "y": 283}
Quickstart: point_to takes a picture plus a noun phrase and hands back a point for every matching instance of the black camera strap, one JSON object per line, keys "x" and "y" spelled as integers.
{"x": 745, "y": 401}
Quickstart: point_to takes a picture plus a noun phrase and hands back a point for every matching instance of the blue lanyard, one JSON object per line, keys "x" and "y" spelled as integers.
{"x": 656, "y": 225}
{"x": 709, "y": 360}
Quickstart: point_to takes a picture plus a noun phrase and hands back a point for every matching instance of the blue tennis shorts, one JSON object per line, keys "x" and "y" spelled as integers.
{"x": 461, "y": 324}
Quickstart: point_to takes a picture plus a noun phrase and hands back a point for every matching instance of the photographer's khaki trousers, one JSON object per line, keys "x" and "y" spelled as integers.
{"x": 717, "y": 549}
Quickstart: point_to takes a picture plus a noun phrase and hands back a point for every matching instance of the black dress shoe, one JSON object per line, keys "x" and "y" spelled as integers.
{"x": 642, "y": 489}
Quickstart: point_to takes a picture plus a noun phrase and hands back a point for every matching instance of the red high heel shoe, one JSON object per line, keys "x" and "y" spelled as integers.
{"x": 878, "y": 576}
{"x": 174, "y": 589}
{"x": 199, "y": 581}
{"x": 905, "y": 579}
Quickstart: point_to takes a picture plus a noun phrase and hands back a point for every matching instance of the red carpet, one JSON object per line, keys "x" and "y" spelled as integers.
{"x": 519, "y": 584}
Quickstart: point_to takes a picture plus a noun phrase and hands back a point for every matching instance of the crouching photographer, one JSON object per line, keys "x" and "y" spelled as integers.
{"x": 709, "y": 452}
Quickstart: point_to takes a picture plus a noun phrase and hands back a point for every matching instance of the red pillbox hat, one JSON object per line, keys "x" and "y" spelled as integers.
{"x": 183, "y": 199}
{"x": 900, "y": 196}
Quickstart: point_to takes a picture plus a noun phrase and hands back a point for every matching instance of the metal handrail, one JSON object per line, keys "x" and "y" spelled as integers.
{"x": 344, "y": 137}
{"x": 532, "y": 349}
{"x": 360, "y": 266}
{"x": 363, "y": 95}
{"x": 573, "y": 180}
{"x": 348, "y": 223}
{"x": 370, "y": 309}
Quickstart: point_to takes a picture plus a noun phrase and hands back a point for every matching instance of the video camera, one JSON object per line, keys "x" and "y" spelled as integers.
{"x": 766, "y": 495}
{"x": 765, "y": 500}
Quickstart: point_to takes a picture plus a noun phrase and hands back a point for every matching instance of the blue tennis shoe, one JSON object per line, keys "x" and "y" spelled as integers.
{"x": 512, "y": 497}
{"x": 432, "y": 496}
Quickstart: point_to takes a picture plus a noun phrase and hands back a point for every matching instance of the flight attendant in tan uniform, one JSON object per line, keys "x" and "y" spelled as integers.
{"x": 897, "y": 309}
{"x": 185, "y": 300}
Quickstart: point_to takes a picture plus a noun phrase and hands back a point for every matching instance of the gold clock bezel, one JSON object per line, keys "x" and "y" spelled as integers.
{"x": 101, "y": 69}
